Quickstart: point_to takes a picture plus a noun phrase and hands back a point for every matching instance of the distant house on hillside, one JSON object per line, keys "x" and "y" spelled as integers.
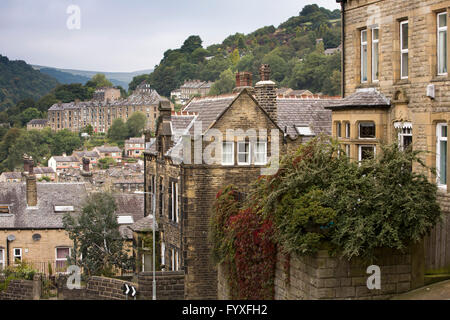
{"x": 93, "y": 156}
{"x": 63, "y": 163}
{"x": 11, "y": 177}
{"x": 109, "y": 152}
{"x": 189, "y": 89}
{"x": 37, "y": 124}
{"x": 134, "y": 147}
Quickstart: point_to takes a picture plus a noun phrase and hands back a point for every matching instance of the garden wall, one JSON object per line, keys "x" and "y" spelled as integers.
{"x": 22, "y": 289}
{"x": 169, "y": 286}
{"x": 325, "y": 277}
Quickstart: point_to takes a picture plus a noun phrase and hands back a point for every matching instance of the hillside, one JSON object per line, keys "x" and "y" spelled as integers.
{"x": 117, "y": 78}
{"x": 293, "y": 50}
{"x": 19, "y": 81}
{"x": 64, "y": 77}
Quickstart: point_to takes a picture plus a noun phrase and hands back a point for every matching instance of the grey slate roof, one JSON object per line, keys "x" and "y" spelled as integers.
{"x": 129, "y": 205}
{"x": 89, "y": 154}
{"x": 12, "y": 175}
{"x": 363, "y": 98}
{"x": 65, "y": 159}
{"x": 108, "y": 149}
{"x": 294, "y": 112}
{"x": 144, "y": 224}
{"x": 43, "y": 216}
{"x": 135, "y": 140}
{"x": 41, "y": 122}
{"x": 43, "y": 170}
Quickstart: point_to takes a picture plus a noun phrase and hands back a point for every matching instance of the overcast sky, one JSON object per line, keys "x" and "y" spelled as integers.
{"x": 119, "y": 35}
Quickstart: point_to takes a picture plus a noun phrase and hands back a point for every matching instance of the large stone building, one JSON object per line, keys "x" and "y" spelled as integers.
{"x": 396, "y": 90}
{"x": 189, "y": 89}
{"x": 37, "y": 124}
{"x": 101, "y": 112}
{"x": 185, "y": 180}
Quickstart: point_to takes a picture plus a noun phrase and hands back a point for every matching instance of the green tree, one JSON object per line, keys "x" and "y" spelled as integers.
{"x": 98, "y": 81}
{"x": 29, "y": 114}
{"x": 88, "y": 129}
{"x": 65, "y": 141}
{"x": 96, "y": 237}
{"x": 225, "y": 84}
{"x": 136, "y": 124}
{"x": 235, "y": 57}
{"x": 191, "y": 44}
{"x": 118, "y": 131}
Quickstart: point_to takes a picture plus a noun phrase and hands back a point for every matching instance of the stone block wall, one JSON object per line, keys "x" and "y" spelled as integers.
{"x": 22, "y": 289}
{"x": 169, "y": 285}
{"x": 328, "y": 278}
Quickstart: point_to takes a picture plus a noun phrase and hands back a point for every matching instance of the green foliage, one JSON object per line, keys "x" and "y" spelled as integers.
{"x": 283, "y": 48}
{"x": 41, "y": 145}
{"x": 105, "y": 163}
{"x": 19, "y": 81}
{"x": 136, "y": 124}
{"x": 96, "y": 236}
{"x": 98, "y": 81}
{"x": 118, "y": 131}
{"x": 225, "y": 84}
{"x": 45, "y": 178}
{"x": 88, "y": 129}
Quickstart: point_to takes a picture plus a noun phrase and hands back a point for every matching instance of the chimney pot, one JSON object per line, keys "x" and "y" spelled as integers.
{"x": 264, "y": 72}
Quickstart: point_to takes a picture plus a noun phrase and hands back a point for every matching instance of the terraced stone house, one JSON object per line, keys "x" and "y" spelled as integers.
{"x": 396, "y": 89}
{"x": 184, "y": 188}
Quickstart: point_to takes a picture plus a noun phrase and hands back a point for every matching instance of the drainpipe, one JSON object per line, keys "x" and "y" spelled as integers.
{"x": 342, "y": 2}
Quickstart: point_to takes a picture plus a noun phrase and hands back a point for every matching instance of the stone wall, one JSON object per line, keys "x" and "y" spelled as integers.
{"x": 324, "y": 277}
{"x": 169, "y": 285}
{"x": 22, "y": 289}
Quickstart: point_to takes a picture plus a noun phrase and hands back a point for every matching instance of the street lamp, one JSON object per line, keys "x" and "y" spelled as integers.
{"x": 154, "y": 227}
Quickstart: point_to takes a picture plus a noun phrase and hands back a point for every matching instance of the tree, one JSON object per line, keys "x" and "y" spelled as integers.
{"x": 118, "y": 131}
{"x": 29, "y": 114}
{"x": 224, "y": 85}
{"x": 96, "y": 237}
{"x": 98, "y": 81}
{"x": 65, "y": 141}
{"x": 191, "y": 43}
{"x": 88, "y": 129}
{"x": 235, "y": 57}
{"x": 136, "y": 124}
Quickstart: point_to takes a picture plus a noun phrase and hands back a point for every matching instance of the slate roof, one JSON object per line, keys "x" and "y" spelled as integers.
{"x": 65, "y": 159}
{"x": 144, "y": 224}
{"x": 363, "y": 98}
{"x": 89, "y": 154}
{"x": 41, "y": 122}
{"x": 140, "y": 97}
{"x": 129, "y": 205}
{"x": 43, "y": 170}
{"x": 135, "y": 140}
{"x": 295, "y": 112}
{"x": 108, "y": 149}
{"x": 44, "y": 215}
{"x": 12, "y": 175}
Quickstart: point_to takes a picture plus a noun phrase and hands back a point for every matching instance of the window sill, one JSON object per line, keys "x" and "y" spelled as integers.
{"x": 440, "y": 78}
{"x": 402, "y": 82}
{"x": 368, "y": 85}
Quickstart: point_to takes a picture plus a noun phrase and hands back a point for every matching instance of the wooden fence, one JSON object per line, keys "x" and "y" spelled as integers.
{"x": 437, "y": 244}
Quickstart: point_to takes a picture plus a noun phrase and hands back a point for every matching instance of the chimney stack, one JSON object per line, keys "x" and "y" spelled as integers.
{"x": 86, "y": 163}
{"x": 31, "y": 183}
{"x": 243, "y": 81}
{"x": 164, "y": 129}
{"x": 266, "y": 92}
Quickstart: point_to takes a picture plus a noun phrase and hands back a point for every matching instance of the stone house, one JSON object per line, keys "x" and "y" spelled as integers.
{"x": 189, "y": 89}
{"x": 63, "y": 163}
{"x": 395, "y": 84}
{"x": 185, "y": 187}
{"x": 109, "y": 152}
{"x": 134, "y": 147}
{"x": 37, "y": 124}
{"x": 93, "y": 157}
{"x": 11, "y": 177}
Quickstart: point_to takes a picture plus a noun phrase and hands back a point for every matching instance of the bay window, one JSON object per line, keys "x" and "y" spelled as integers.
{"x": 441, "y": 153}
{"x": 366, "y": 130}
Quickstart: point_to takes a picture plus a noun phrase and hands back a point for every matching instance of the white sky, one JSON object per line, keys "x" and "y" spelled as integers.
{"x": 125, "y": 36}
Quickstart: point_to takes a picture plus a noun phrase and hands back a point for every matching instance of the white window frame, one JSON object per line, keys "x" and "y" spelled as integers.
{"x": 375, "y": 78}
{"x": 60, "y": 259}
{"x": 439, "y": 138}
{"x": 264, "y": 153}
{"x": 347, "y": 130}
{"x": 403, "y": 50}
{"x": 364, "y": 45}
{"x": 232, "y": 153}
{"x": 248, "y": 153}
{"x": 360, "y": 146}
{"x": 402, "y": 127}
{"x": 177, "y": 208}
{"x": 16, "y": 256}
{"x": 177, "y": 260}
{"x": 2, "y": 259}
{"x": 439, "y": 30}
{"x": 339, "y": 129}
{"x": 347, "y": 150}
{"x": 163, "y": 253}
